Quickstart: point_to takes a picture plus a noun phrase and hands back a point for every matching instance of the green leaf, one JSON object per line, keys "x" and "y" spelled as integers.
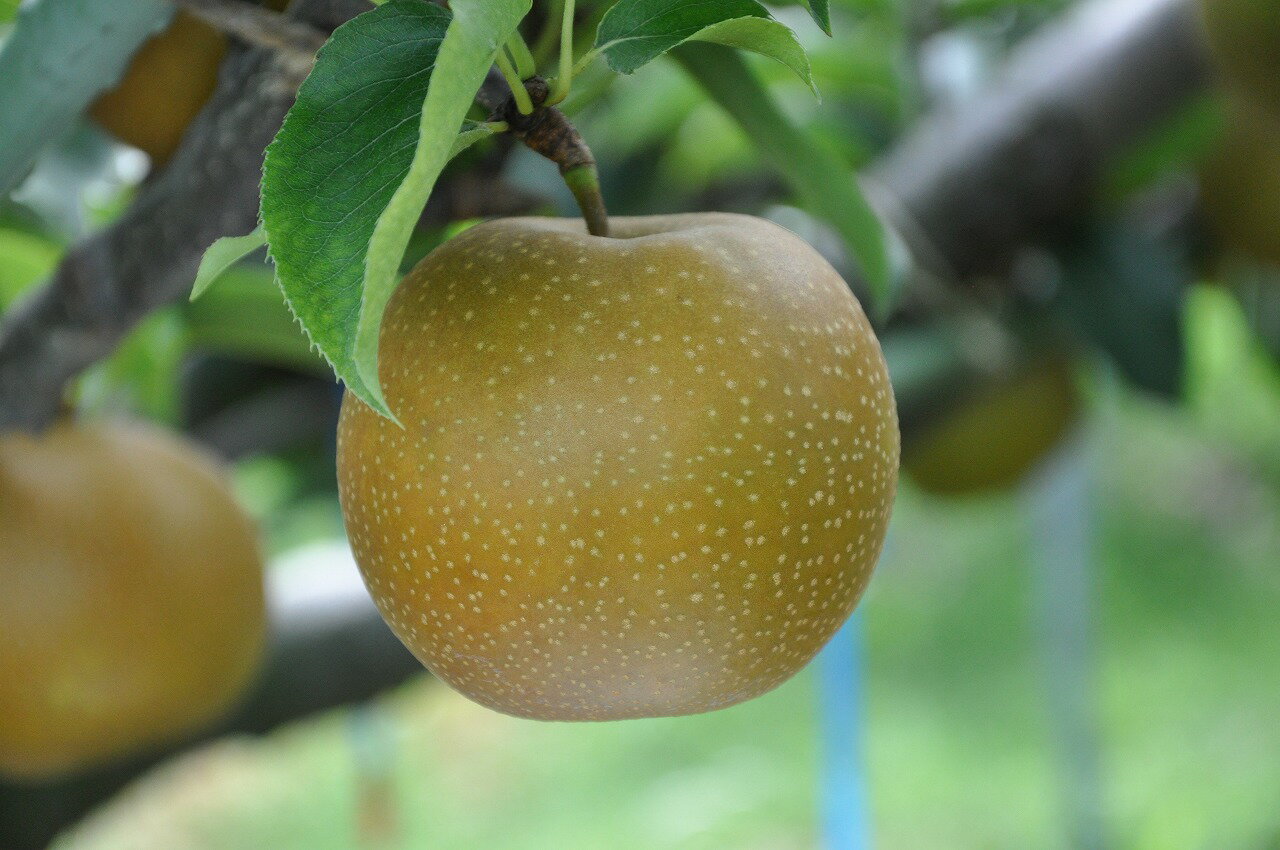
{"x": 224, "y": 254}
{"x": 826, "y": 185}
{"x": 478, "y": 30}
{"x": 1124, "y": 288}
{"x": 347, "y": 176}
{"x": 25, "y": 260}
{"x": 635, "y": 32}
{"x": 142, "y": 374}
{"x": 345, "y": 146}
{"x": 821, "y": 12}
{"x": 766, "y": 37}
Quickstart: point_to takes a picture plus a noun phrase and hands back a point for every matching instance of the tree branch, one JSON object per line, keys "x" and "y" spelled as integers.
{"x": 295, "y": 41}
{"x": 969, "y": 187}
{"x": 148, "y": 257}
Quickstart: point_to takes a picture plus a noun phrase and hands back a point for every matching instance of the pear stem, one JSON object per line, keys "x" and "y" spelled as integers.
{"x": 584, "y": 182}
{"x": 548, "y": 132}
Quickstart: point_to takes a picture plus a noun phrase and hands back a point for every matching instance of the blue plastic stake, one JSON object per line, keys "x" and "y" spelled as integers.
{"x": 1059, "y": 511}
{"x": 844, "y": 794}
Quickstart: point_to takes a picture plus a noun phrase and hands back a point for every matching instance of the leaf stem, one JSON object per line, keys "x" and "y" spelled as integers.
{"x": 520, "y": 53}
{"x": 564, "y": 82}
{"x": 546, "y": 41}
{"x": 587, "y": 58}
{"x": 523, "y": 103}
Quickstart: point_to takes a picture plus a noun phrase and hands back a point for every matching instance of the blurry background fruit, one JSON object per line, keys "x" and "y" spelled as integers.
{"x": 133, "y": 603}
{"x": 997, "y": 436}
{"x": 164, "y": 88}
{"x": 166, "y": 85}
{"x": 1244, "y": 35}
{"x": 1240, "y": 182}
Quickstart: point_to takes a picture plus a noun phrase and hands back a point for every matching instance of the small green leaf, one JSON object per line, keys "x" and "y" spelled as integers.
{"x": 25, "y": 260}
{"x": 635, "y": 32}
{"x": 224, "y": 254}
{"x": 820, "y": 10}
{"x": 142, "y": 375}
{"x": 825, "y": 184}
{"x": 245, "y": 317}
{"x": 478, "y": 30}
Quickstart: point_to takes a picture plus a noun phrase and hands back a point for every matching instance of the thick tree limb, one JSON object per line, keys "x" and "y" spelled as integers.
{"x": 296, "y": 41}
{"x": 969, "y": 187}
{"x": 149, "y": 256}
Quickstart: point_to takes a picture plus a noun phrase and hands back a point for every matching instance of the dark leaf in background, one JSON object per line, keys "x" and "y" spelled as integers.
{"x": 1257, "y": 288}
{"x": 1123, "y": 288}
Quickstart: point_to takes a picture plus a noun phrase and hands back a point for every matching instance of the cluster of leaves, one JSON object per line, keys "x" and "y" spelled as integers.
{"x": 388, "y": 105}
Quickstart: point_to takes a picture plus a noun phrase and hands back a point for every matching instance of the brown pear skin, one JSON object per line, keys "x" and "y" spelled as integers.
{"x": 638, "y": 476}
{"x": 1244, "y": 37}
{"x": 133, "y": 607}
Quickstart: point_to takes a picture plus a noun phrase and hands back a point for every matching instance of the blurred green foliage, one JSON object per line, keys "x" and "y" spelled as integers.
{"x": 25, "y": 259}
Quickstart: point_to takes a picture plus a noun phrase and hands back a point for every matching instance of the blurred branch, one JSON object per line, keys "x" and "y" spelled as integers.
{"x": 969, "y": 187}
{"x": 60, "y": 56}
{"x": 296, "y": 41}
